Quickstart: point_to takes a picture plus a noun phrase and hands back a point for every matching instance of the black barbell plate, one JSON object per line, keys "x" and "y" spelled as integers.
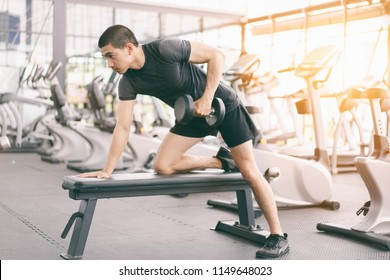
{"x": 184, "y": 109}
{"x": 216, "y": 117}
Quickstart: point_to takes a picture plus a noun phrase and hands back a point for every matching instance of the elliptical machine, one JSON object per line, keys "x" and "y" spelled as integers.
{"x": 374, "y": 170}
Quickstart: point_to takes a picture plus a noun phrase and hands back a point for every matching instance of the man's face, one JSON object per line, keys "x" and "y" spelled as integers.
{"x": 118, "y": 60}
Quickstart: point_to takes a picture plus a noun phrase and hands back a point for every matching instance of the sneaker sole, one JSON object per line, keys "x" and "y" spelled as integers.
{"x": 263, "y": 256}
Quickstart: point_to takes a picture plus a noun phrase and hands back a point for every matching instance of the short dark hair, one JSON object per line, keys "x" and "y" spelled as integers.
{"x": 118, "y": 36}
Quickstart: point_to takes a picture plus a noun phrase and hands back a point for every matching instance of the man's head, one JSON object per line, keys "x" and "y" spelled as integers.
{"x": 120, "y": 48}
{"x": 118, "y": 36}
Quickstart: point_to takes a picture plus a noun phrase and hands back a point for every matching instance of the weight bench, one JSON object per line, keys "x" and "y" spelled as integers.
{"x": 89, "y": 190}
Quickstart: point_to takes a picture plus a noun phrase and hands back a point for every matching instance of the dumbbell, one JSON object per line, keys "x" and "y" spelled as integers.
{"x": 184, "y": 110}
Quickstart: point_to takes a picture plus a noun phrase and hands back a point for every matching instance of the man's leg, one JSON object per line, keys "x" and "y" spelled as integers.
{"x": 171, "y": 157}
{"x": 245, "y": 160}
{"x": 276, "y": 243}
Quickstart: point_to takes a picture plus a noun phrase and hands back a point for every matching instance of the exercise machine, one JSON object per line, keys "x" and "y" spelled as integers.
{"x": 24, "y": 132}
{"x": 4, "y": 141}
{"x": 374, "y": 170}
{"x": 68, "y": 145}
{"x": 253, "y": 90}
{"x": 98, "y": 135}
{"x": 315, "y": 69}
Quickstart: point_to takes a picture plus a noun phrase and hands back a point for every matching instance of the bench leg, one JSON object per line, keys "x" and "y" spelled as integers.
{"x": 245, "y": 208}
{"x": 81, "y": 230}
{"x": 246, "y": 227}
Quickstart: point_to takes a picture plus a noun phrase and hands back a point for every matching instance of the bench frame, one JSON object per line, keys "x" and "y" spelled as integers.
{"x": 147, "y": 184}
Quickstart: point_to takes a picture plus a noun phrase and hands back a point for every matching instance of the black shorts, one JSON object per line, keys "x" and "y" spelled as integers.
{"x": 236, "y": 128}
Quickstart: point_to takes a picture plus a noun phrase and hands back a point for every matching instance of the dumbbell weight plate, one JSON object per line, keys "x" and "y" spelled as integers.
{"x": 184, "y": 108}
{"x": 216, "y": 117}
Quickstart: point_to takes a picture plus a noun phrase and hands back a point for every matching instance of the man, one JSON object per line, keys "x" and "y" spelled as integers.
{"x": 166, "y": 69}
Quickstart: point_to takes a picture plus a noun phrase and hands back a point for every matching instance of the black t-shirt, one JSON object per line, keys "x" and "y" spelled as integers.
{"x": 167, "y": 74}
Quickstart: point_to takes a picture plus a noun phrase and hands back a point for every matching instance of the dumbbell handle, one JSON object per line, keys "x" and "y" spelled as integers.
{"x": 212, "y": 111}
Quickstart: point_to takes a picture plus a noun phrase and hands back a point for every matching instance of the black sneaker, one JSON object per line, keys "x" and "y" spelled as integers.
{"x": 275, "y": 246}
{"x": 226, "y": 159}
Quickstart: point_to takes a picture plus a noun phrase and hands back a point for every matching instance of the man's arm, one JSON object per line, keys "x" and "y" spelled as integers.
{"x": 202, "y": 53}
{"x": 124, "y": 119}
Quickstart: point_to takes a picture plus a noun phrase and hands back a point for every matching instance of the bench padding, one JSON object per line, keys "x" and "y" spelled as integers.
{"x": 145, "y": 184}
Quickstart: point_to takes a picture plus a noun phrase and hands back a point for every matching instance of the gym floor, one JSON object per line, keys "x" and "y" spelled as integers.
{"x": 34, "y": 210}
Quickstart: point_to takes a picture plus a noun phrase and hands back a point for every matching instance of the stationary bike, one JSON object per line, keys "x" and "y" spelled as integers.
{"x": 374, "y": 170}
